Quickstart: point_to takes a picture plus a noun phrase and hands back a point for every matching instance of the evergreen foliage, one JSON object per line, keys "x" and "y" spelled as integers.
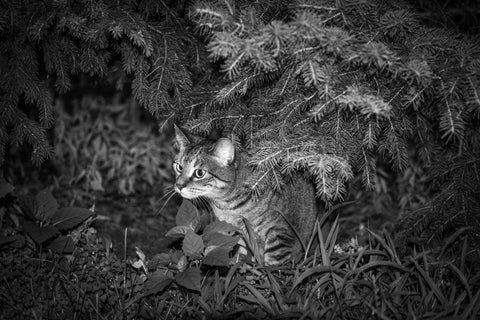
{"x": 51, "y": 43}
{"x": 338, "y": 88}
{"x": 328, "y": 87}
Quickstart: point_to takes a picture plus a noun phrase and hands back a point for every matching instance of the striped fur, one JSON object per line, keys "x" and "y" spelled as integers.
{"x": 225, "y": 185}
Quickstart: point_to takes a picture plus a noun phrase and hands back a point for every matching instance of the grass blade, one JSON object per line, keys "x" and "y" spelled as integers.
{"x": 462, "y": 279}
{"x": 452, "y": 239}
{"x": 316, "y": 270}
{"x": 430, "y": 283}
{"x": 251, "y": 239}
{"x": 332, "y": 237}
{"x": 471, "y": 312}
{"x": 260, "y": 299}
{"x": 382, "y": 242}
{"x": 277, "y": 291}
{"x": 323, "y": 249}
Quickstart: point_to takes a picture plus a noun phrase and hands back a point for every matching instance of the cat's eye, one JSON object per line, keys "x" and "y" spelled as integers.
{"x": 178, "y": 167}
{"x": 199, "y": 173}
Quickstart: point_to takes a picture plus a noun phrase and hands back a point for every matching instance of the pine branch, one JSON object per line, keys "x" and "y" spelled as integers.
{"x": 48, "y": 44}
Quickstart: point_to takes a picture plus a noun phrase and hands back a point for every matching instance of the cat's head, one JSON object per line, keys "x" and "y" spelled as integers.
{"x": 203, "y": 167}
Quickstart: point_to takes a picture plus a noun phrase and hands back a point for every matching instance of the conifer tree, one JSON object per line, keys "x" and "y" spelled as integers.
{"x": 337, "y": 88}
{"x": 328, "y": 87}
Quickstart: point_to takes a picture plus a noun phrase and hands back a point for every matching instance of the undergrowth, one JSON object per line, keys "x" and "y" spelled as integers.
{"x": 109, "y": 148}
{"x": 201, "y": 278}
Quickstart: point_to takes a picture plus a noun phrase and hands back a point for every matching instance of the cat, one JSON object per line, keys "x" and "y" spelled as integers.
{"x": 217, "y": 171}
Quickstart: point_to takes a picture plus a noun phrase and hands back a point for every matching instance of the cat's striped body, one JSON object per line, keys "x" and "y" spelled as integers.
{"x": 215, "y": 171}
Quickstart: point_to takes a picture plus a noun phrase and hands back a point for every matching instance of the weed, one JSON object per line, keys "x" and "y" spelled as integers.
{"x": 106, "y": 148}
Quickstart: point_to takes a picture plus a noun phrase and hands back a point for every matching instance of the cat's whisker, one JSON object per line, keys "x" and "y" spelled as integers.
{"x": 169, "y": 189}
{"x": 203, "y": 203}
{"x": 172, "y": 193}
{"x": 195, "y": 202}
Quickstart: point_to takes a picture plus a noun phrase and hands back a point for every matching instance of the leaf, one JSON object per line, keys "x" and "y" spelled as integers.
{"x": 139, "y": 264}
{"x": 260, "y": 299}
{"x": 29, "y": 206}
{"x": 219, "y": 226}
{"x": 220, "y": 240}
{"x": 6, "y": 240}
{"x": 157, "y": 282}
{"x": 47, "y": 205}
{"x": 182, "y": 263}
{"x": 186, "y": 213}
{"x": 316, "y": 270}
{"x": 62, "y": 244}
{"x": 192, "y": 244}
{"x": 176, "y": 256}
{"x": 162, "y": 259}
{"x": 178, "y": 231}
{"x": 40, "y": 234}
{"x": 96, "y": 182}
{"x": 140, "y": 254}
{"x": 69, "y": 217}
{"x": 15, "y": 241}
{"x": 217, "y": 257}
{"x": 190, "y": 278}
{"x": 5, "y": 187}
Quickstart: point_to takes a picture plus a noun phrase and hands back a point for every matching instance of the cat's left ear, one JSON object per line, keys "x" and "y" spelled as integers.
{"x": 224, "y": 151}
{"x": 181, "y": 138}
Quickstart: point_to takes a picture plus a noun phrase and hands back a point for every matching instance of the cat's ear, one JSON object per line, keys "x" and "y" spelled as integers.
{"x": 224, "y": 151}
{"x": 181, "y": 138}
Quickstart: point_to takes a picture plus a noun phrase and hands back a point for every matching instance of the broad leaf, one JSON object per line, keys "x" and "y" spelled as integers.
{"x": 217, "y": 257}
{"x": 182, "y": 263}
{"x": 176, "y": 256}
{"x": 47, "y": 205}
{"x": 62, "y": 244}
{"x": 70, "y": 217}
{"x": 195, "y": 224}
{"x": 192, "y": 245}
{"x": 40, "y": 234}
{"x": 157, "y": 282}
{"x": 161, "y": 259}
{"x": 220, "y": 240}
{"x": 187, "y": 213}
{"x": 29, "y": 206}
{"x": 5, "y": 187}
{"x": 222, "y": 227}
{"x": 190, "y": 278}
{"x": 178, "y": 231}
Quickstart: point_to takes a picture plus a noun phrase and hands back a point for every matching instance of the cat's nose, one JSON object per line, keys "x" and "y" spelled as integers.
{"x": 180, "y": 186}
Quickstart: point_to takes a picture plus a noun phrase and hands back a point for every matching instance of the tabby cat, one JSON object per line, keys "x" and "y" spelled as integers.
{"x": 216, "y": 171}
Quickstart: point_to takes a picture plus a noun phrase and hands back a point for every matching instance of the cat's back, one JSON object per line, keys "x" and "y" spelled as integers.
{"x": 298, "y": 203}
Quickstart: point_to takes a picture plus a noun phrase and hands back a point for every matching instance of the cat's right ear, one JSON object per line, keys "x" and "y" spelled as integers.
{"x": 181, "y": 138}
